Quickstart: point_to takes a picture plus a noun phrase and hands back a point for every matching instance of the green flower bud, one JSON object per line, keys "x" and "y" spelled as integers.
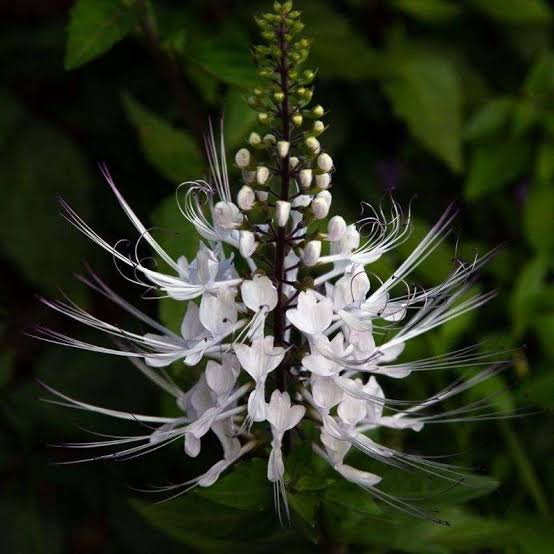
{"x": 318, "y": 127}
{"x": 308, "y": 75}
{"x": 297, "y": 120}
{"x": 254, "y": 139}
{"x": 264, "y": 118}
{"x": 269, "y": 139}
{"x": 318, "y": 111}
{"x": 279, "y": 96}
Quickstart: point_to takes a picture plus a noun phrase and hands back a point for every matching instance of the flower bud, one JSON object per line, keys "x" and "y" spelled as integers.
{"x": 248, "y": 176}
{"x": 313, "y": 144}
{"x": 283, "y": 148}
{"x": 326, "y": 195}
{"x": 323, "y": 180}
{"x": 279, "y": 96}
{"x": 297, "y": 119}
{"x": 320, "y": 207}
{"x": 269, "y": 139}
{"x": 325, "y": 162}
{"x": 247, "y": 243}
{"x": 242, "y": 158}
{"x": 293, "y": 162}
{"x": 318, "y": 127}
{"x": 246, "y": 198}
{"x": 336, "y": 228}
{"x": 254, "y": 139}
{"x": 318, "y": 111}
{"x": 263, "y": 118}
{"x": 282, "y": 212}
{"x": 305, "y": 178}
{"x": 311, "y": 252}
{"x": 262, "y": 174}
{"x": 225, "y": 214}
{"x": 262, "y": 195}
{"x": 308, "y": 75}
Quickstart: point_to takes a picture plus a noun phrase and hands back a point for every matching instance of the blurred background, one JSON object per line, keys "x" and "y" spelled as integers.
{"x": 434, "y": 101}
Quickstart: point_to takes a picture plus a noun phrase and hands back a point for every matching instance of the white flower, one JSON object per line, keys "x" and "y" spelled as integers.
{"x": 305, "y": 178}
{"x": 325, "y": 162}
{"x": 344, "y": 324}
{"x": 247, "y": 244}
{"x": 323, "y": 180}
{"x": 258, "y": 360}
{"x": 246, "y": 198}
{"x": 320, "y": 208}
{"x": 227, "y": 215}
{"x": 283, "y": 148}
{"x": 262, "y": 175}
{"x": 311, "y": 253}
{"x": 282, "y": 212}
{"x": 313, "y": 313}
{"x": 336, "y": 228}
{"x": 242, "y": 158}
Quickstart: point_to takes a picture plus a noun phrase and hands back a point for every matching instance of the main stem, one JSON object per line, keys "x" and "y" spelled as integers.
{"x": 281, "y": 244}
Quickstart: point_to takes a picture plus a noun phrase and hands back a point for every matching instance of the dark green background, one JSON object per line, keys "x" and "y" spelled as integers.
{"x": 436, "y": 100}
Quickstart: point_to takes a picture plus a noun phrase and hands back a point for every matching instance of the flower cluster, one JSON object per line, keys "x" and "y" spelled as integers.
{"x": 296, "y": 326}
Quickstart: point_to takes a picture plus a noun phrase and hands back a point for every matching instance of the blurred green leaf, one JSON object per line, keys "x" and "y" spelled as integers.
{"x": 173, "y": 152}
{"x": 527, "y": 289}
{"x": 544, "y": 326}
{"x": 94, "y": 27}
{"x": 246, "y": 487}
{"x": 37, "y": 165}
{"x": 306, "y": 471}
{"x": 490, "y": 118}
{"x": 540, "y": 390}
{"x": 539, "y": 218}
{"x": 351, "y": 498}
{"x": 225, "y": 56}
{"x": 432, "y": 11}
{"x": 305, "y": 505}
{"x": 240, "y": 118}
{"x": 515, "y": 11}
{"x": 425, "y": 91}
{"x": 544, "y": 165}
{"x": 525, "y": 115}
{"x": 495, "y": 164}
{"x": 540, "y": 81}
{"x": 355, "y": 59}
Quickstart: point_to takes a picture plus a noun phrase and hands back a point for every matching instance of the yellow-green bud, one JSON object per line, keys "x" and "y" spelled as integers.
{"x": 297, "y": 120}
{"x": 254, "y": 139}
{"x": 318, "y": 111}
{"x": 269, "y": 139}
{"x": 263, "y": 118}
{"x": 279, "y": 96}
{"x": 318, "y": 127}
{"x": 308, "y": 75}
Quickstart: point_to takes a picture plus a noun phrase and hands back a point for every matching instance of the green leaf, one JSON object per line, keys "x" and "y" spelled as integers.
{"x": 526, "y": 293}
{"x": 305, "y": 505}
{"x": 351, "y": 498}
{"x": 544, "y": 165}
{"x": 538, "y": 218}
{"x": 245, "y": 488}
{"x": 225, "y": 56}
{"x": 540, "y": 81}
{"x": 173, "y": 152}
{"x": 430, "y": 11}
{"x": 355, "y": 60}
{"x": 495, "y": 164}
{"x": 94, "y": 27}
{"x": 490, "y": 119}
{"x": 306, "y": 471}
{"x": 515, "y": 11}
{"x": 544, "y": 327}
{"x": 37, "y": 165}
{"x": 525, "y": 115}
{"x": 425, "y": 91}
{"x": 240, "y": 118}
{"x": 540, "y": 391}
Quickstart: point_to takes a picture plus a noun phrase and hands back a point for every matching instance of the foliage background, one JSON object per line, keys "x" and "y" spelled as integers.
{"x": 449, "y": 101}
